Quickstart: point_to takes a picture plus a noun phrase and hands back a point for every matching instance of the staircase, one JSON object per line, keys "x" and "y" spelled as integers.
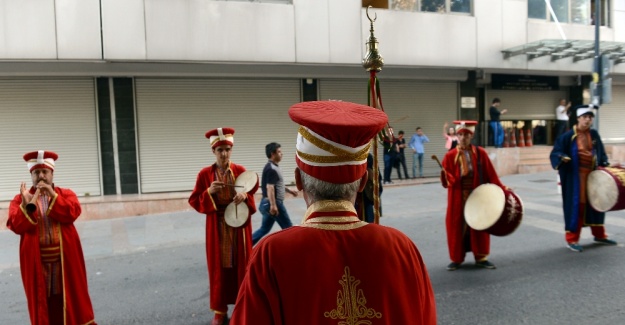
{"x": 534, "y": 159}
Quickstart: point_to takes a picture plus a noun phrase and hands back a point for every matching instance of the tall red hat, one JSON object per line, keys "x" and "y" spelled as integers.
{"x": 334, "y": 138}
{"x": 221, "y": 136}
{"x": 465, "y": 126}
{"x": 40, "y": 159}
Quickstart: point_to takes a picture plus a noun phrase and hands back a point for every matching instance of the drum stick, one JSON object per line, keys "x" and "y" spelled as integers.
{"x": 233, "y": 185}
{"x": 441, "y": 166}
{"x": 438, "y": 161}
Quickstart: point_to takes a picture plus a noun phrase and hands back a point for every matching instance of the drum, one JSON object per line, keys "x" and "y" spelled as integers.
{"x": 236, "y": 214}
{"x": 606, "y": 189}
{"x": 246, "y": 181}
{"x": 493, "y": 209}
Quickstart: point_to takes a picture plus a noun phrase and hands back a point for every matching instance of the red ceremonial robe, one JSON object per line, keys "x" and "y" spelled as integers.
{"x": 335, "y": 269}
{"x": 64, "y": 208}
{"x": 460, "y": 237}
{"x": 224, "y": 283}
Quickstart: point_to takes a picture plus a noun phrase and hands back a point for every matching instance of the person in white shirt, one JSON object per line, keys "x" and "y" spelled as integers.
{"x": 562, "y": 117}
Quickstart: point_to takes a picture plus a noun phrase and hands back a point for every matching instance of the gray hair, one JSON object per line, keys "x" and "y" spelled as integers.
{"x": 318, "y": 190}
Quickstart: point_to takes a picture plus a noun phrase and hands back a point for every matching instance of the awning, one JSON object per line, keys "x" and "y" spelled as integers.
{"x": 560, "y": 49}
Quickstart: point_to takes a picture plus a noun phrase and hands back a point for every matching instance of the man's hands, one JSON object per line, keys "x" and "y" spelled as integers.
{"x": 26, "y": 196}
{"x": 217, "y": 186}
{"x": 565, "y": 159}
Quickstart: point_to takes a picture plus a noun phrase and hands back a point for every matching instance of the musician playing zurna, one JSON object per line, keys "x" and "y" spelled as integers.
{"x": 227, "y": 248}
{"x": 465, "y": 168}
{"x": 575, "y": 154}
{"x": 335, "y": 268}
{"x": 51, "y": 259}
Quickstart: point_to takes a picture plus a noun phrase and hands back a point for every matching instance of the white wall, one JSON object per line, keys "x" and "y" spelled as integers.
{"x": 423, "y": 39}
{"x": 326, "y": 32}
{"x": 123, "y": 29}
{"x": 27, "y": 29}
{"x": 219, "y": 31}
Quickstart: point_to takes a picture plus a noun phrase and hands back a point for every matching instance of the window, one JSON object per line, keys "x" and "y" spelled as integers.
{"x": 440, "y": 6}
{"x": 568, "y": 11}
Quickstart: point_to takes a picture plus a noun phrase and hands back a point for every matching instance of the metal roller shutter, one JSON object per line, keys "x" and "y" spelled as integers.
{"x": 526, "y": 105}
{"x": 408, "y": 104}
{"x": 49, "y": 114}
{"x": 611, "y": 117}
{"x": 174, "y": 114}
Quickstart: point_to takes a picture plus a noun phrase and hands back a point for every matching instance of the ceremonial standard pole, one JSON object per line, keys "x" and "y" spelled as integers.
{"x": 373, "y": 63}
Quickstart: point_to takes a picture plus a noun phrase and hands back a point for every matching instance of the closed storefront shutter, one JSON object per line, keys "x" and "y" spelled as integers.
{"x": 174, "y": 114}
{"x": 526, "y": 105}
{"x": 611, "y": 117}
{"x": 408, "y": 104}
{"x": 49, "y": 114}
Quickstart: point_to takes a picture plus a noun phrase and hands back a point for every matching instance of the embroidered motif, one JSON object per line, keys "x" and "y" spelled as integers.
{"x": 513, "y": 208}
{"x": 351, "y": 306}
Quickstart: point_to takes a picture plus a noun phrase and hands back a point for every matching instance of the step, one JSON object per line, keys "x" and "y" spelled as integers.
{"x": 530, "y": 169}
{"x": 538, "y": 161}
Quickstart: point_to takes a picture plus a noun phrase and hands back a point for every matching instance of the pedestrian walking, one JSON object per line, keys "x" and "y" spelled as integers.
{"x": 272, "y": 185}
{"x": 449, "y": 134}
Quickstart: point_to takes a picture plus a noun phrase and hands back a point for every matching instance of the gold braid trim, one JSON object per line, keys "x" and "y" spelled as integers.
{"x": 340, "y": 155}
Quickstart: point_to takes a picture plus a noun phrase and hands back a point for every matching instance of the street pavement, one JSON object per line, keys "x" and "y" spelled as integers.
{"x": 152, "y": 269}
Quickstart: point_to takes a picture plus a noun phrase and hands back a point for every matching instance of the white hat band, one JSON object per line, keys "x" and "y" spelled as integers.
{"x": 315, "y": 150}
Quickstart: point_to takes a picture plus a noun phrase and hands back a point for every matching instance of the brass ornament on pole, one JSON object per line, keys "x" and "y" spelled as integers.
{"x": 372, "y": 60}
{"x": 373, "y": 63}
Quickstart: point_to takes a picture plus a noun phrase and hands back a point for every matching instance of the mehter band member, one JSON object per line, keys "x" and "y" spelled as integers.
{"x": 575, "y": 154}
{"x": 465, "y": 168}
{"x": 227, "y": 248}
{"x": 335, "y": 268}
{"x": 51, "y": 258}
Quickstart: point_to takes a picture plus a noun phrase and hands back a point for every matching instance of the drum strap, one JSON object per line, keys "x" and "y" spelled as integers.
{"x": 479, "y": 165}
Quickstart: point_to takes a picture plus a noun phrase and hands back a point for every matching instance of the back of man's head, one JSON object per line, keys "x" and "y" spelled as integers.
{"x": 333, "y": 142}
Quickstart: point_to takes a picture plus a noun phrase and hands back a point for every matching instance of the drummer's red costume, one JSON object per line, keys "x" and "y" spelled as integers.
{"x": 228, "y": 249}
{"x": 464, "y": 169}
{"x": 575, "y": 154}
{"x": 335, "y": 268}
{"x": 51, "y": 259}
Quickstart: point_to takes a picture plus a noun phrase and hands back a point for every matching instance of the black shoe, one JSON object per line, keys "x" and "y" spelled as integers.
{"x": 575, "y": 247}
{"x": 453, "y": 266}
{"x": 605, "y": 241}
{"x": 485, "y": 264}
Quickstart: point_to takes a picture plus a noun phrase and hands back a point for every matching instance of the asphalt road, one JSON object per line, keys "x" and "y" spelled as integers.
{"x": 152, "y": 269}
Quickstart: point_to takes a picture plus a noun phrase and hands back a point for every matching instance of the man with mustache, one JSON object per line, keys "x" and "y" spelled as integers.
{"x": 51, "y": 259}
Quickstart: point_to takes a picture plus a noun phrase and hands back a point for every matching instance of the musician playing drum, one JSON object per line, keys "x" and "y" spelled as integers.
{"x": 227, "y": 249}
{"x": 465, "y": 168}
{"x": 575, "y": 154}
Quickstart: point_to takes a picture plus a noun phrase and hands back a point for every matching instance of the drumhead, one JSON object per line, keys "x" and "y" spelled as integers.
{"x": 236, "y": 214}
{"x": 247, "y": 180}
{"x": 602, "y": 191}
{"x": 484, "y": 206}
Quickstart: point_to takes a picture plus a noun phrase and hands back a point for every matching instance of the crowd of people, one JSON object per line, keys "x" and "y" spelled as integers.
{"x": 262, "y": 274}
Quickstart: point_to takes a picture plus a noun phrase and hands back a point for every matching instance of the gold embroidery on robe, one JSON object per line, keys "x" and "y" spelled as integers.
{"x": 351, "y": 304}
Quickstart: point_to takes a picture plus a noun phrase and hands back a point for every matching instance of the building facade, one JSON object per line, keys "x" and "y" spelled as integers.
{"x": 125, "y": 90}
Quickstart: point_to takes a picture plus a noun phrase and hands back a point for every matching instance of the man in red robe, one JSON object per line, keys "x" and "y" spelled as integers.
{"x": 228, "y": 248}
{"x": 465, "y": 168}
{"x": 335, "y": 268}
{"x": 51, "y": 259}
